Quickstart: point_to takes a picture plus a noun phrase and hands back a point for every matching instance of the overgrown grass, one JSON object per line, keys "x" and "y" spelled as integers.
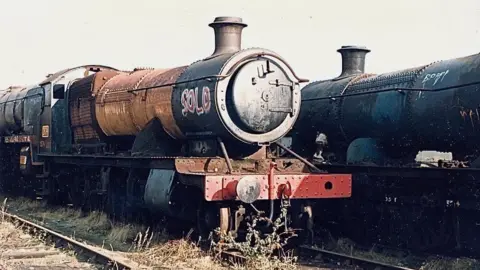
{"x": 93, "y": 226}
{"x": 451, "y": 264}
{"x": 147, "y": 246}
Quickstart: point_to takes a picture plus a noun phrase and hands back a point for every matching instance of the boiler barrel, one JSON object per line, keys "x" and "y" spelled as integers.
{"x": 11, "y": 109}
{"x": 448, "y": 118}
{"x": 122, "y": 110}
{"x": 393, "y": 109}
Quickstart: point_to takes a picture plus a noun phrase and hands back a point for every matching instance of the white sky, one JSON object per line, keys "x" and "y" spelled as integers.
{"x": 41, "y": 37}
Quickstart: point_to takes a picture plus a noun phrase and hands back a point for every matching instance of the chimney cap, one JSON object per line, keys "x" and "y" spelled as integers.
{"x": 352, "y": 48}
{"x": 228, "y": 20}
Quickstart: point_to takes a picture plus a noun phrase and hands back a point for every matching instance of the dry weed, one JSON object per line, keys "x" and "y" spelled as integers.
{"x": 24, "y": 204}
{"x": 148, "y": 246}
{"x": 177, "y": 254}
{"x": 64, "y": 214}
{"x": 263, "y": 263}
{"x": 95, "y": 220}
{"x": 451, "y": 264}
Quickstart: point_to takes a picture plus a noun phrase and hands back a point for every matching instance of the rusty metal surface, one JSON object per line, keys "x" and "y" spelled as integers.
{"x": 82, "y": 106}
{"x": 159, "y": 100}
{"x": 300, "y": 186}
{"x": 219, "y": 166}
{"x": 121, "y": 112}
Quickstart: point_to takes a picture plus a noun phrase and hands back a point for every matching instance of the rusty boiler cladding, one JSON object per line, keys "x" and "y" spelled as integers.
{"x": 430, "y": 107}
{"x": 249, "y": 95}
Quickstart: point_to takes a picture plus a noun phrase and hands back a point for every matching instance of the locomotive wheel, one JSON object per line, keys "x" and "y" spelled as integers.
{"x": 211, "y": 216}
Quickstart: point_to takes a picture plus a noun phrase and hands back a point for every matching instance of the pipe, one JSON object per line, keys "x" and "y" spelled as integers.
{"x": 225, "y": 155}
{"x": 315, "y": 168}
{"x": 271, "y": 190}
{"x": 272, "y": 210}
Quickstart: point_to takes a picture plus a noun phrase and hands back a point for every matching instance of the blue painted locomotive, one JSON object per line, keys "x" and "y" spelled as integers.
{"x": 384, "y": 129}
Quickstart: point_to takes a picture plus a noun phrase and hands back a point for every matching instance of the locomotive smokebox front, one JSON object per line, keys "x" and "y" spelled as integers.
{"x": 249, "y": 95}
{"x": 257, "y": 102}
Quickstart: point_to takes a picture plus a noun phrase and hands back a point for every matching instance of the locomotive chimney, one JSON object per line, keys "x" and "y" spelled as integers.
{"x": 228, "y": 34}
{"x": 353, "y": 60}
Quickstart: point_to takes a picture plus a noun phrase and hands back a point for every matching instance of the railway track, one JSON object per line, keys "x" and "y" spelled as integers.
{"x": 353, "y": 260}
{"x": 114, "y": 260}
{"x": 105, "y": 258}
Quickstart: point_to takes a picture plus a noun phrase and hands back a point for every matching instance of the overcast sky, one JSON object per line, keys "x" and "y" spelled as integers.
{"x": 41, "y": 37}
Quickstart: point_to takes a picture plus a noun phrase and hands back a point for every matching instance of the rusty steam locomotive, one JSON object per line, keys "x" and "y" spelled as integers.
{"x": 382, "y": 129}
{"x": 195, "y": 142}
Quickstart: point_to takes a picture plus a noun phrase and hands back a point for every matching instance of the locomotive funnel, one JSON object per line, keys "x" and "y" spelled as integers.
{"x": 228, "y": 34}
{"x": 353, "y": 60}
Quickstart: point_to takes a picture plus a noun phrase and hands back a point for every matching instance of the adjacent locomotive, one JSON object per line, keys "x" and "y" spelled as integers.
{"x": 379, "y": 127}
{"x": 397, "y": 114}
{"x": 195, "y": 142}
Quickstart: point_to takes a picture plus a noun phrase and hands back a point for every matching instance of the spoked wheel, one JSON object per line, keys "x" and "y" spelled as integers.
{"x": 211, "y": 216}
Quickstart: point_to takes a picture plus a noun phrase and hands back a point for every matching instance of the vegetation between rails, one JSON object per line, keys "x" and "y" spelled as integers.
{"x": 147, "y": 246}
{"x": 154, "y": 247}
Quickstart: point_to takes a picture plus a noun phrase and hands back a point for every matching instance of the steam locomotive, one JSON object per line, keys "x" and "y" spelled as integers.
{"x": 195, "y": 142}
{"x": 410, "y": 140}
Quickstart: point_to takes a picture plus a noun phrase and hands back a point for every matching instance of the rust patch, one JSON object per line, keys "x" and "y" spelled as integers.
{"x": 82, "y": 106}
{"x": 218, "y": 166}
{"x": 159, "y": 100}
{"x": 123, "y": 112}
{"x": 260, "y": 154}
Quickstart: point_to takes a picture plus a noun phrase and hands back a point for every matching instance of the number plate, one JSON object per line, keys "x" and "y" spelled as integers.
{"x": 23, "y": 160}
{"x": 45, "y": 131}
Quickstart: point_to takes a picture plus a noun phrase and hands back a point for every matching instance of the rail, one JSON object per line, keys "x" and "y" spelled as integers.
{"x": 362, "y": 262}
{"x": 101, "y": 256}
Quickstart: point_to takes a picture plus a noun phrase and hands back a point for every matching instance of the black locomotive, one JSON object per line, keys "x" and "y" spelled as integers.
{"x": 384, "y": 129}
